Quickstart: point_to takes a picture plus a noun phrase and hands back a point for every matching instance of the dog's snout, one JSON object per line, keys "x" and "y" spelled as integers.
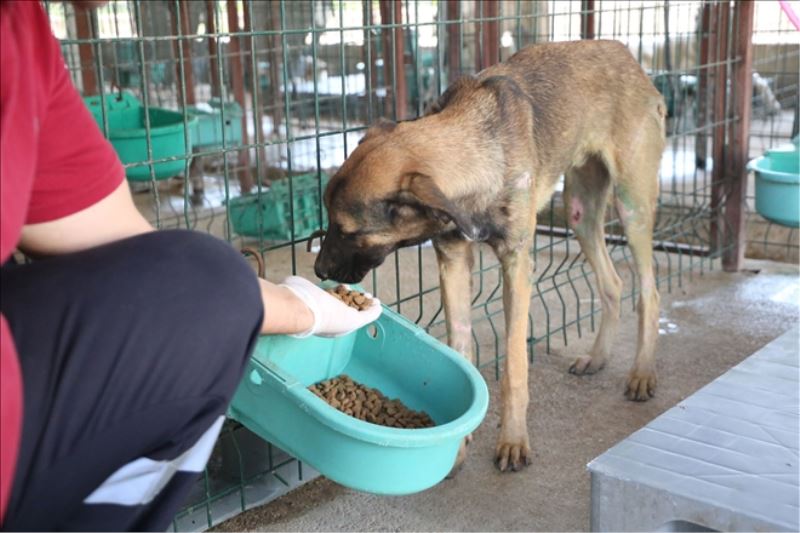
{"x": 322, "y": 267}
{"x": 320, "y": 272}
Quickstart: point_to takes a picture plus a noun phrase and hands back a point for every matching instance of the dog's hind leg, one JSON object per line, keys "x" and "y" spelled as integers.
{"x": 636, "y": 199}
{"x": 455, "y": 260}
{"x": 586, "y": 193}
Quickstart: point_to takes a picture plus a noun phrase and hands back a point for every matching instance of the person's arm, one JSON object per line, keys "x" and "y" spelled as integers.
{"x": 294, "y": 316}
{"x": 113, "y": 218}
{"x": 302, "y": 309}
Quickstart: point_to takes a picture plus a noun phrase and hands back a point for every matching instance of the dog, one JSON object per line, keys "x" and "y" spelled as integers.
{"x": 479, "y": 165}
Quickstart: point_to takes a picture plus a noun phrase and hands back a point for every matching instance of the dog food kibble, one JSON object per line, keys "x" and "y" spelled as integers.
{"x": 368, "y": 404}
{"x": 354, "y": 299}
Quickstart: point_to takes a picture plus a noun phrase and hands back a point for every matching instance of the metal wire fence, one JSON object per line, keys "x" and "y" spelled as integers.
{"x": 271, "y": 97}
{"x": 775, "y": 95}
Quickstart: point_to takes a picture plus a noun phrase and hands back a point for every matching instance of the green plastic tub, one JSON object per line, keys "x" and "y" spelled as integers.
{"x": 778, "y": 185}
{"x": 208, "y": 130}
{"x": 267, "y": 215}
{"x": 128, "y": 136}
{"x": 396, "y": 357}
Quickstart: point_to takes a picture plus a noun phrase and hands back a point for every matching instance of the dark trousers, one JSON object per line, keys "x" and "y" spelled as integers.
{"x": 130, "y": 354}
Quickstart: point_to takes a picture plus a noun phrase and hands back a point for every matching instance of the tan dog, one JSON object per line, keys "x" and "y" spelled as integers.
{"x": 481, "y": 164}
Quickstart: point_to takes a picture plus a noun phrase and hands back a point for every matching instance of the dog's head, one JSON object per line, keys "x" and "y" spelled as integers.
{"x": 381, "y": 199}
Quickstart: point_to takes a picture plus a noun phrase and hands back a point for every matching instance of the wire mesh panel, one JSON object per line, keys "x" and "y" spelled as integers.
{"x": 776, "y": 56}
{"x": 271, "y": 97}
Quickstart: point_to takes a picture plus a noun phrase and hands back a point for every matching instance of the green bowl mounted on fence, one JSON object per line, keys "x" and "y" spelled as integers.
{"x": 778, "y": 185}
{"x": 393, "y": 355}
{"x": 128, "y": 135}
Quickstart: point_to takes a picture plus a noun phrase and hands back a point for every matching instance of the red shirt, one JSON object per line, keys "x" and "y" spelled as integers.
{"x": 54, "y": 162}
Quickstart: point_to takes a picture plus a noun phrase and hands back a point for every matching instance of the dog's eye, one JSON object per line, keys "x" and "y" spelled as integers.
{"x": 351, "y": 235}
{"x": 398, "y": 212}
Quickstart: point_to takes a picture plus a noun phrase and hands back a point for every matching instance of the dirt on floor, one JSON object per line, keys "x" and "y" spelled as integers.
{"x": 708, "y": 326}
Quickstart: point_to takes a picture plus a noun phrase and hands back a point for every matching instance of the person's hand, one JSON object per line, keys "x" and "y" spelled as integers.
{"x": 332, "y": 317}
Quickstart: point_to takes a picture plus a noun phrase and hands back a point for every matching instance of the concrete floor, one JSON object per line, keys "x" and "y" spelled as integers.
{"x": 709, "y": 325}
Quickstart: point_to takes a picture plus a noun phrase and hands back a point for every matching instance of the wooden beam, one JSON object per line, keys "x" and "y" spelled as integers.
{"x": 83, "y": 26}
{"x": 478, "y": 36}
{"x": 386, "y": 45}
{"x": 392, "y": 13}
{"x": 178, "y": 46}
{"x": 701, "y": 139}
{"x": 490, "y": 35}
{"x": 400, "y": 62}
{"x": 237, "y": 81}
{"x": 739, "y": 136}
{"x": 720, "y": 23}
{"x": 453, "y": 12}
{"x": 373, "y": 56}
{"x": 275, "y": 60}
{"x": 213, "y": 53}
{"x": 255, "y": 86}
{"x": 587, "y": 19}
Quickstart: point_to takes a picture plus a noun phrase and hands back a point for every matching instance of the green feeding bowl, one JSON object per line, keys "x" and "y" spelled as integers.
{"x": 778, "y": 185}
{"x": 392, "y": 355}
{"x": 128, "y": 136}
{"x": 210, "y": 128}
{"x": 268, "y": 215}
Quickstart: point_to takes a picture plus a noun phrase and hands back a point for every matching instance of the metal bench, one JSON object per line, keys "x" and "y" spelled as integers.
{"x": 724, "y": 459}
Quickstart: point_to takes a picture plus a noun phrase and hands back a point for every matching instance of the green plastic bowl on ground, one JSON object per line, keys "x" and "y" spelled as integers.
{"x": 208, "y": 131}
{"x": 268, "y": 215}
{"x": 778, "y": 185}
{"x": 128, "y": 136}
{"x": 394, "y": 356}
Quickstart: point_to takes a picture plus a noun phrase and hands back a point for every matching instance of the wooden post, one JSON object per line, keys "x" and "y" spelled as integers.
{"x": 255, "y": 86}
{"x": 453, "y": 41}
{"x": 701, "y": 139}
{"x": 275, "y": 57}
{"x": 179, "y": 45}
{"x": 720, "y": 23}
{"x": 386, "y": 43}
{"x": 490, "y": 42}
{"x": 373, "y": 55}
{"x": 739, "y": 136}
{"x": 400, "y": 61}
{"x": 587, "y": 19}
{"x": 237, "y": 81}
{"x": 479, "y": 36}
{"x": 392, "y": 13}
{"x": 213, "y": 53}
{"x": 83, "y": 28}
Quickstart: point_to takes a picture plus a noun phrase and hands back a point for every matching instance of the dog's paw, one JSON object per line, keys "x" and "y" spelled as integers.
{"x": 586, "y": 365}
{"x": 512, "y": 455}
{"x": 641, "y": 385}
{"x": 460, "y": 457}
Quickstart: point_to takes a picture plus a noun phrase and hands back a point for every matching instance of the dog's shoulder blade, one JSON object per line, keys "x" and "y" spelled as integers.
{"x": 452, "y": 93}
{"x": 504, "y": 88}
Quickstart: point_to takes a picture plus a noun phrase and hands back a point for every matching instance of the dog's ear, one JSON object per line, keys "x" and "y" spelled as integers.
{"x": 421, "y": 191}
{"x": 383, "y": 125}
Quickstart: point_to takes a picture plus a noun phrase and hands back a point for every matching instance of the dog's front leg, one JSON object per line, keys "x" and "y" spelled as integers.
{"x": 455, "y": 276}
{"x": 513, "y": 448}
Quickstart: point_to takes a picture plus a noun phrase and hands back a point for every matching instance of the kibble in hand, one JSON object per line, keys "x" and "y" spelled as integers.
{"x": 369, "y": 404}
{"x": 354, "y": 299}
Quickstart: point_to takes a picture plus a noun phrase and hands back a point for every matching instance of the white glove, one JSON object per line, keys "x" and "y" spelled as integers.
{"x": 332, "y": 317}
